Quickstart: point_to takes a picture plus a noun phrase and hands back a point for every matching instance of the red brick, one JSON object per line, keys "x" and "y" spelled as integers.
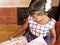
{"x": 8, "y": 11}
{"x": 8, "y": 15}
{"x": 2, "y": 20}
{"x": 11, "y": 20}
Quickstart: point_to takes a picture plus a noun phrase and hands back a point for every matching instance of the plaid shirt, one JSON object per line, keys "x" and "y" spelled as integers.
{"x": 39, "y": 29}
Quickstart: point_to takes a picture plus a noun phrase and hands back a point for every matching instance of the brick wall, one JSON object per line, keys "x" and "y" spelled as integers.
{"x": 8, "y": 16}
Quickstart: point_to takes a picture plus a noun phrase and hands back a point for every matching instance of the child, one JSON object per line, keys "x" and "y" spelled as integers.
{"x": 39, "y": 23}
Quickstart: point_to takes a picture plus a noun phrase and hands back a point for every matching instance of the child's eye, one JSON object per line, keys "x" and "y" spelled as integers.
{"x": 33, "y": 16}
{"x": 38, "y": 14}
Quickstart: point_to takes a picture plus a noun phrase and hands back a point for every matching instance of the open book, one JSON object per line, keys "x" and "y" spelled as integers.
{"x": 23, "y": 41}
{"x": 38, "y": 41}
{"x": 16, "y": 41}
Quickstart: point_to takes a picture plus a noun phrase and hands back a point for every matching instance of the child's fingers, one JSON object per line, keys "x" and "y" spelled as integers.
{"x": 10, "y": 38}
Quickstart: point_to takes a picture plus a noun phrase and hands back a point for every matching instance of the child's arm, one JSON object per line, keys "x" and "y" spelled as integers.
{"x": 53, "y": 36}
{"x": 20, "y": 30}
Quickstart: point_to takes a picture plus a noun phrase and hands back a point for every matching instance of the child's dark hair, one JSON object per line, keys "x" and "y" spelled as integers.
{"x": 37, "y": 6}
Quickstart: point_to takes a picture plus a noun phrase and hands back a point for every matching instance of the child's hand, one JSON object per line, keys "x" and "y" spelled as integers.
{"x": 10, "y": 38}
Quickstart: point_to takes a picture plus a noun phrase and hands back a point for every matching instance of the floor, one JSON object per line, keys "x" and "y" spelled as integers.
{"x": 6, "y": 31}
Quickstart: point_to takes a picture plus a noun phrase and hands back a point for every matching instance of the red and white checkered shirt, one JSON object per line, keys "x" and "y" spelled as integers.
{"x": 39, "y": 29}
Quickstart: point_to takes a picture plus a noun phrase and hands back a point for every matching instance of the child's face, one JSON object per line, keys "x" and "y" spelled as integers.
{"x": 38, "y": 17}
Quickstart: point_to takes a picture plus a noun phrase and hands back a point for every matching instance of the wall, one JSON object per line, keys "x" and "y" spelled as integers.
{"x": 14, "y": 3}
{"x": 8, "y": 15}
{"x": 55, "y": 3}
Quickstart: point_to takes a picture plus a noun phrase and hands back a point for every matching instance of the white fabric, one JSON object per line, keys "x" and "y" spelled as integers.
{"x": 39, "y": 29}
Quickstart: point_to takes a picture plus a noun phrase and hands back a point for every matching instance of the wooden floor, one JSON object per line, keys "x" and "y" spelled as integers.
{"x": 6, "y": 31}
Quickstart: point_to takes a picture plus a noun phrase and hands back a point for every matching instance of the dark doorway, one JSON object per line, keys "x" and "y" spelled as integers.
{"x": 21, "y": 15}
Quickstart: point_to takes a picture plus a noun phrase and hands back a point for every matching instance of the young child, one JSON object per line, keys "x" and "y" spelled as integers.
{"x": 38, "y": 23}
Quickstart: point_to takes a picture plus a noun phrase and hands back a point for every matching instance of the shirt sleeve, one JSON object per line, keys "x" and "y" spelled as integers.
{"x": 52, "y": 23}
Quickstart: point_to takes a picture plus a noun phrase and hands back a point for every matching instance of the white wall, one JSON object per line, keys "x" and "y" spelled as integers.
{"x": 14, "y": 3}
{"x": 55, "y": 3}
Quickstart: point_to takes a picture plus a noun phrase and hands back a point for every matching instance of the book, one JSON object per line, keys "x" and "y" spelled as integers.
{"x": 38, "y": 41}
